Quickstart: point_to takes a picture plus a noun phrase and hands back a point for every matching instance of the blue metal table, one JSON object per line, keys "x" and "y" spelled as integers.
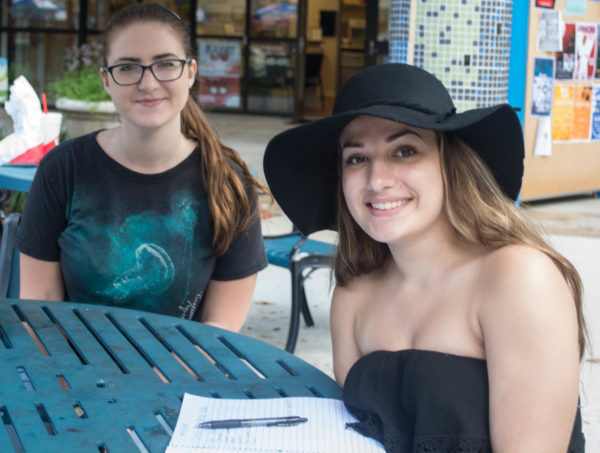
{"x": 16, "y": 177}
{"x": 79, "y": 377}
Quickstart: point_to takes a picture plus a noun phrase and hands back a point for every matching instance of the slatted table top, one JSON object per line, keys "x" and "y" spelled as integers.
{"x": 80, "y": 377}
{"x": 17, "y": 177}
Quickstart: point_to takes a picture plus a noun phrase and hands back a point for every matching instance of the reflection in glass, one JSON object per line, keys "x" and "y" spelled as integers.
{"x": 34, "y": 56}
{"x": 101, "y": 12}
{"x": 383, "y": 20}
{"x": 42, "y": 13}
{"x": 272, "y": 19}
{"x": 271, "y": 78}
{"x": 221, "y": 17}
{"x": 220, "y": 71}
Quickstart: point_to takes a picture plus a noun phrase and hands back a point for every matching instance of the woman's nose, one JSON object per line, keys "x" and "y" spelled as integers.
{"x": 148, "y": 80}
{"x": 381, "y": 175}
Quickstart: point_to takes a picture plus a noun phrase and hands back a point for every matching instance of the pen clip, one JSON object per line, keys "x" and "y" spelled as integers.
{"x": 295, "y": 421}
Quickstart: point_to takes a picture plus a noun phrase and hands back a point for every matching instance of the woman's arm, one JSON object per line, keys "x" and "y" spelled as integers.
{"x": 226, "y": 303}
{"x": 40, "y": 280}
{"x": 342, "y": 323}
{"x": 530, "y": 330}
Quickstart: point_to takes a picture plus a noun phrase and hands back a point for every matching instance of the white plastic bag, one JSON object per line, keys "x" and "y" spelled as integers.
{"x": 24, "y": 107}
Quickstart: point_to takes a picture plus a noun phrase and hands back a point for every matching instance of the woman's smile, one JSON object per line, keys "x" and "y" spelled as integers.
{"x": 387, "y": 207}
{"x": 150, "y": 102}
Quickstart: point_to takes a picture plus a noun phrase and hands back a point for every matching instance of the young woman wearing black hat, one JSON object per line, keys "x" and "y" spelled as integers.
{"x": 455, "y": 327}
{"x": 155, "y": 214}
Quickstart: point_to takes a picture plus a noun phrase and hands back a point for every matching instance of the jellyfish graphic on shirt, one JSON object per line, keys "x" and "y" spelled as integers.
{"x": 153, "y": 273}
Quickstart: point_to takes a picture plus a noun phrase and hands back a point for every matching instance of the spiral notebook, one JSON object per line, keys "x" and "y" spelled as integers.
{"x": 324, "y": 432}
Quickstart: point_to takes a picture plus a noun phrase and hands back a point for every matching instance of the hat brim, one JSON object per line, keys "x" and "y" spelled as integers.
{"x": 300, "y": 164}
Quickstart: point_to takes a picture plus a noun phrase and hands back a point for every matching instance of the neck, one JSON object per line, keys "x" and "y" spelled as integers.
{"x": 426, "y": 261}
{"x": 148, "y": 150}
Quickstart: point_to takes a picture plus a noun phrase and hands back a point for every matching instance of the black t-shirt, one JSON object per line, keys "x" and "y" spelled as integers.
{"x": 129, "y": 239}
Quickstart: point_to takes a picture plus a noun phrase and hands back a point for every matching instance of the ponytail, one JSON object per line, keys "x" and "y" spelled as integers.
{"x": 230, "y": 205}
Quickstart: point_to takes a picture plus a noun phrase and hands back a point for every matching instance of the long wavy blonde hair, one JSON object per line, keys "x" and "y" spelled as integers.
{"x": 478, "y": 211}
{"x": 230, "y": 203}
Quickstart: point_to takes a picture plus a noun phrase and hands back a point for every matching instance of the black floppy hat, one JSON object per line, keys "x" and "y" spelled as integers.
{"x": 300, "y": 163}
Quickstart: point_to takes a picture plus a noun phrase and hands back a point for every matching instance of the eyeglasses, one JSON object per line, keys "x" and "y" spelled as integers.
{"x": 131, "y": 73}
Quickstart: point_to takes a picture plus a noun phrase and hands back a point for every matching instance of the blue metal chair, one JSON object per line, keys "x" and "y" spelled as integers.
{"x": 9, "y": 258}
{"x": 301, "y": 256}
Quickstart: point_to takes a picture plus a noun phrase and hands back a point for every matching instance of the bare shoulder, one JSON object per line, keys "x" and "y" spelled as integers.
{"x": 522, "y": 281}
{"x": 346, "y": 306}
{"x": 520, "y": 264}
{"x": 353, "y": 293}
{"x": 529, "y": 329}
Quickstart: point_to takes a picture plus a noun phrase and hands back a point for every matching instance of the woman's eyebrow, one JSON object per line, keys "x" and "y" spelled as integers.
{"x": 351, "y": 144}
{"x": 391, "y": 138}
{"x": 137, "y": 60}
{"x": 397, "y": 135}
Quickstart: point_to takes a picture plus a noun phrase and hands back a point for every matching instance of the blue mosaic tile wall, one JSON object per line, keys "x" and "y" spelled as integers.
{"x": 465, "y": 43}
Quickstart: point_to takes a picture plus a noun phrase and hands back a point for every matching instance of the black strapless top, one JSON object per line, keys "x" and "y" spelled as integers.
{"x": 416, "y": 401}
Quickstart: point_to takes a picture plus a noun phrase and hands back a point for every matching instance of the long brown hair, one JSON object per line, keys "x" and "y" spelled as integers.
{"x": 478, "y": 211}
{"x": 230, "y": 203}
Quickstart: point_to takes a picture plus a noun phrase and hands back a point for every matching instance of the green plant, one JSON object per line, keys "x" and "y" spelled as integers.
{"x": 15, "y": 202}
{"x": 81, "y": 79}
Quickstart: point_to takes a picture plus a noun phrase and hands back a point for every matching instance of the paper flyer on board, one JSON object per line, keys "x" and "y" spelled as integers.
{"x": 565, "y": 60}
{"x": 324, "y": 432}
{"x": 543, "y": 82}
{"x": 575, "y": 7}
{"x": 598, "y": 51}
{"x": 562, "y": 112}
{"x": 596, "y": 113}
{"x": 549, "y": 33}
{"x": 582, "y": 113}
{"x": 585, "y": 51}
{"x": 543, "y": 139}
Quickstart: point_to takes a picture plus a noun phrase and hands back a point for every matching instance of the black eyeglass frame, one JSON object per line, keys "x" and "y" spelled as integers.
{"x": 182, "y": 62}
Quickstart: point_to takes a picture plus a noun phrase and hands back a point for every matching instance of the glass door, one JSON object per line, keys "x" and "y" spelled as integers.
{"x": 272, "y": 56}
{"x": 220, "y": 31}
{"x": 378, "y": 32}
{"x": 352, "y": 35}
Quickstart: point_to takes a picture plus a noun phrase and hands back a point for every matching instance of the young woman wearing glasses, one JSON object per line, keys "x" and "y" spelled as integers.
{"x": 155, "y": 214}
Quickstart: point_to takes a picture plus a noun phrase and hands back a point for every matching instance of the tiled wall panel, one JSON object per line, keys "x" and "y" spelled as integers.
{"x": 465, "y": 43}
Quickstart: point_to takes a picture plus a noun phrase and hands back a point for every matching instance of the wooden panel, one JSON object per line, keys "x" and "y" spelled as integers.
{"x": 573, "y": 167}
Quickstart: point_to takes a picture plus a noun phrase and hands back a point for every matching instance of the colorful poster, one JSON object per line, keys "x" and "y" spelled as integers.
{"x": 596, "y": 113}
{"x": 541, "y": 93}
{"x": 582, "y": 113}
{"x": 544, "y": 3}
{"x": 549, "y": 37}
{"x": 565, "y": 60}
{"x": 598, "y": 51}
{"x": 585, "y": 51}
{"x": 220, "y": 71}
{"x": 562, "y": 112}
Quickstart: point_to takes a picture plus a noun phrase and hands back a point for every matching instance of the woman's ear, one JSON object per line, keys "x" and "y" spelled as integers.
{"x": 192, "y": 68}
{"x": 104, "y": 75}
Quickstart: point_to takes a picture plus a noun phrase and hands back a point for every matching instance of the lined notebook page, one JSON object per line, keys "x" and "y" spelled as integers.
{"x": 324, "y": 432}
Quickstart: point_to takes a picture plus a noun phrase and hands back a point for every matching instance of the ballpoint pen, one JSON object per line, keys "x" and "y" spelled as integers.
{"x": 250, "y": 422}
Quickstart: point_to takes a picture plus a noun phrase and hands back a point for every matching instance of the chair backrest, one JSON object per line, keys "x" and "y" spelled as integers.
{"x": 313, "y": 65}
{"x": 9, "y": 258}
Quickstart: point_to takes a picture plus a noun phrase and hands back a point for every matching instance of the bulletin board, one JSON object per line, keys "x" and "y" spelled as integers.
{"x": 562, "y": 152}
